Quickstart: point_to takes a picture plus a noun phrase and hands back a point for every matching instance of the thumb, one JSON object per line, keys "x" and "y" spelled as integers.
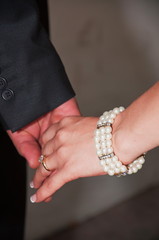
{"x": 30, "y": 150}
{"x": 27, "y": 146}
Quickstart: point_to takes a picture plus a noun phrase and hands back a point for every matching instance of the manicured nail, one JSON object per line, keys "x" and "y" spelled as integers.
{"x": 31, "y": 184}
{"x": 33, "y": 198}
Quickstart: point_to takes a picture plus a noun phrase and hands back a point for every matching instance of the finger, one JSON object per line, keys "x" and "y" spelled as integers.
{"x": 48, "y": 199}
{"x": 27, "y": 146}
{"x": 49, "y": 186}
{"x": 49, "y": 134}
{"x": 31, "y": 152}
{"x": 41, "y": 173}
{"x": 49, "y": 147}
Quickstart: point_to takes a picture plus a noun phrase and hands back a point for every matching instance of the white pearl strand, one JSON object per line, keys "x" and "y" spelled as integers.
{"x": 103, "y": 141}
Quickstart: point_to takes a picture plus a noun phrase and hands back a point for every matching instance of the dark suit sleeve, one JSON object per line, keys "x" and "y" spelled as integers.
{"x": 32, "y": 79}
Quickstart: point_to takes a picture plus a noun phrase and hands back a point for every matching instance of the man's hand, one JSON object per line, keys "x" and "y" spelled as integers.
{"x": 28, "y": 140}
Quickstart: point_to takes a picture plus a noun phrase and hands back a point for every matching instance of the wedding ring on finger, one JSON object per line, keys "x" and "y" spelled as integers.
{"x": 42, "y": 160}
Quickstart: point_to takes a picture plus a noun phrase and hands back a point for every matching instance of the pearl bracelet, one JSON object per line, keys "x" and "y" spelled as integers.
{"x": 103, "y": 141}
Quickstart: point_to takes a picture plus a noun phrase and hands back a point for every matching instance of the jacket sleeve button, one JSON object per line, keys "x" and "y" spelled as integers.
{"x": 3, "y": 83}
{"x": 7, "y": 94}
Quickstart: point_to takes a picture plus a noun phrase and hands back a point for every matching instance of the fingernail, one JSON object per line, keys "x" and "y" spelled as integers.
{"x": 33, "y": 198}
{"x": 31, "y": 184}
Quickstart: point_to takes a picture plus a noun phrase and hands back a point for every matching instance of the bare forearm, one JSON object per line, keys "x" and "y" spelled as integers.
{"x": 136, "y": 130}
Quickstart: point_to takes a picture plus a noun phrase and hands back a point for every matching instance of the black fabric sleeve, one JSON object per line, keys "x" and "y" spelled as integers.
{"x": 33, "y": 80}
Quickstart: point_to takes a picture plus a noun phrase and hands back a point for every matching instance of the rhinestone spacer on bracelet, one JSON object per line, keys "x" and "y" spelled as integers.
{"x": 103, "y": 141}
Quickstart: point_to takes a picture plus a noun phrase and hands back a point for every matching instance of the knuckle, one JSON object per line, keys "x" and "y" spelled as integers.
{"x": 66, "y": 120}
{"x": 61, "y": 135}
{"x": 48, "y": 187}
{"x": 61, "y": 152}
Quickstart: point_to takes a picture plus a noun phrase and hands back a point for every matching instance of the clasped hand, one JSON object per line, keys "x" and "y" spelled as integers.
{"x": 70, "y": 154}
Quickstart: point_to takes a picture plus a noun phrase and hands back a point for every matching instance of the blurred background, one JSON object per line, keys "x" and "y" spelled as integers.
{"x": 110, "y": 50}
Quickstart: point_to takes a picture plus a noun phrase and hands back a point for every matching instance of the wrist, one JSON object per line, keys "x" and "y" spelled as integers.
{"x": 126, "y": 140}
{"x": 109, "y": 160}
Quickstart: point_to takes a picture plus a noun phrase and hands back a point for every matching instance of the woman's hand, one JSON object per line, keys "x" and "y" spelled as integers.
{"x": 71, "y": 154}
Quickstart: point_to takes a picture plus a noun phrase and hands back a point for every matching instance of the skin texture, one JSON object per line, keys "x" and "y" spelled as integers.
{"x": 70, "y": 149}
{"x": 28, "y": 140}
{"x": 136, "y": 129}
